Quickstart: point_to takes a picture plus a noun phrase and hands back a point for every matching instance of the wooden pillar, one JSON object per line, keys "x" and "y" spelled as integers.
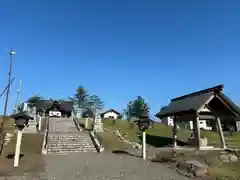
{"x": 198, "y": 132}
{"x": 174, "y": 131}
{"x": 194, "y": 128}
{"x": 220, "y": 131}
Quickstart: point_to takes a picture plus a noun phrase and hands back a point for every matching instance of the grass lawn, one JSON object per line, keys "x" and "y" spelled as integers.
{"x": 160, "y": 135}
{"x": 228, "y": 171}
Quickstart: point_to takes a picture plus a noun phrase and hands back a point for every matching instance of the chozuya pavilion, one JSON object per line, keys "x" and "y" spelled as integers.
{"x": 209, "y": 104}
{"x": 54, "y": 108}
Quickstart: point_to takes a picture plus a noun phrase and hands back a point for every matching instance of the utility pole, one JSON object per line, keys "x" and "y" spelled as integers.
{"x": 6, "y": 87}
{"x": 6, "y": 100}
{"x": 9, "y": 81}
{"x": 18, "y": 96}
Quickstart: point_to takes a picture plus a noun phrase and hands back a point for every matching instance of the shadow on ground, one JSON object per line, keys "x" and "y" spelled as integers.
{"x": 11, "y": 156}
{"x": 160, "y": 141}
{"x": 123, "y": 152}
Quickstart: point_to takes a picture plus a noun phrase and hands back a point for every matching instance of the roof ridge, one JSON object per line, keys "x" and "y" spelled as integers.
{"x": 214, "y": 88}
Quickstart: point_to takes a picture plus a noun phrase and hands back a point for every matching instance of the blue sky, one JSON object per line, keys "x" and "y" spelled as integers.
{"x": 158, "y": 49}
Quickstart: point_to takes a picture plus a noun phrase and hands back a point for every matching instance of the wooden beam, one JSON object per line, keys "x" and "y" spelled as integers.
{"x": 187, "y": 116}
{"x": 220, "y": 131}
{"x": 174, "y": 131}
{"x": 198, "y": 135}
{"x": 206, "y": 102}
{"x": 219, "y": 127}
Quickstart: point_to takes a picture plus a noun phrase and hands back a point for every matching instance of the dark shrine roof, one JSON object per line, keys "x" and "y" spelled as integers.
{"x": 192, "y": 102}
{"x": 47, "y": 104}
{"x": 110, "y": 110}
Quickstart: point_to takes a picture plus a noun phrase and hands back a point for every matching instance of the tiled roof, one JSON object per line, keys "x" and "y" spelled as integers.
{"x": 192, "y": 102}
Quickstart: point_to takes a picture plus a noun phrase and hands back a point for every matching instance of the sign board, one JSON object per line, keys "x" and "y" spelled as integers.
{"x": 54, "y": 113}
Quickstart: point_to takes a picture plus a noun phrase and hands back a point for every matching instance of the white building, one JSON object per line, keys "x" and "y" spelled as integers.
{"x": 167, "y": 121}
{"x": 110, "y": 114}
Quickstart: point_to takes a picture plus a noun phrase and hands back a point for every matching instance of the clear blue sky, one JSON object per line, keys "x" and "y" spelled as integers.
{"x": 158, "y": 49}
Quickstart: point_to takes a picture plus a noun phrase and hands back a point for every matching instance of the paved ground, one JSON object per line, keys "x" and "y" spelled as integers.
{"x": 104, "y": 166}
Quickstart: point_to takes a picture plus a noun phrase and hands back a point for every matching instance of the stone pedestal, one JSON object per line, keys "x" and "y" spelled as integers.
{"x": 97, "y": 124}
{"x": 203, "y": 141}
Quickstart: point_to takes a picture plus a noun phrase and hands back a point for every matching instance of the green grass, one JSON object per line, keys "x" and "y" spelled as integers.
{"x": 160, "y": 135}
{"x": 229, "y": 171}
{"x": 159, "y": 131}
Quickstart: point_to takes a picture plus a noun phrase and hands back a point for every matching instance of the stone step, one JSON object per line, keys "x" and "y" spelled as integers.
{"x": 69, "y": 148}
{"x": 64, "y": 137}
{"x": 70, "y": 152}
{"x": 63, "y": 151}
{"x": 69, "y": 144}
{"x": 79, "y": 141}
{"x": 68, "y": 137}
{"x": 76, "y": 135}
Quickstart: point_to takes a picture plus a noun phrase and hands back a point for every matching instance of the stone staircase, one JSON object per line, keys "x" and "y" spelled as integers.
{"x": 64, "y": 137}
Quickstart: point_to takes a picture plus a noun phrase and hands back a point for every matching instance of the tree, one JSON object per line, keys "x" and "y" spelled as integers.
{"x": 80, "y": 98}
{"x": 120, "y": 116}
{"x": 140, "y": 107}
{"x": 95, "y": 102}
{"x": 32, "y": 101}
{"x": 128, "y": 110}
{"x": 137, "y": 108}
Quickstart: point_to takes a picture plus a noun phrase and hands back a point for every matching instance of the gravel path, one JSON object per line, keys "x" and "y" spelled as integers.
{"x": 105, "y": 166}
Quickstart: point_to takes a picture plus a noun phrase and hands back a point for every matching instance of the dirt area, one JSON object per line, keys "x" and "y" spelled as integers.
{"x": 31, "y": 160}
{"x": 8, "y": 125}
